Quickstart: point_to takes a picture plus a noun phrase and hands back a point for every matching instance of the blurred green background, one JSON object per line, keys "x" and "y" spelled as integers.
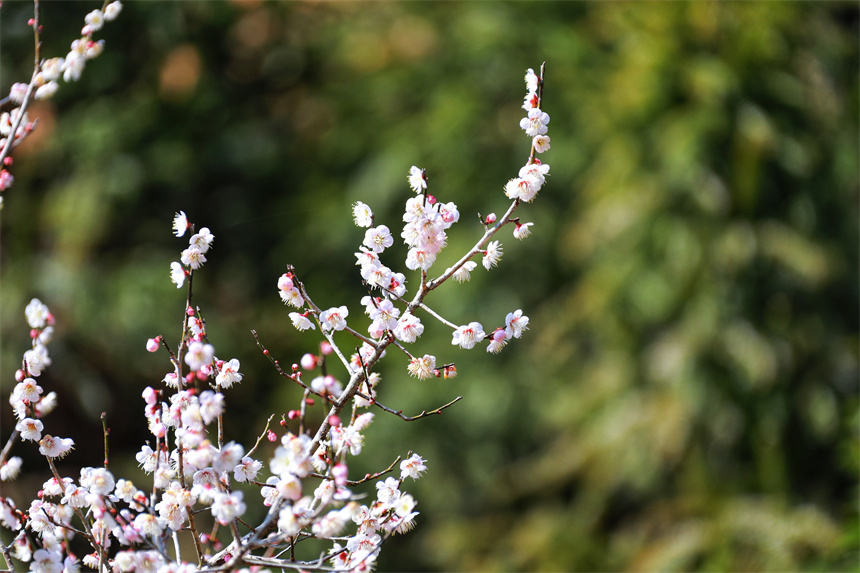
{"x": 687, "y": 396}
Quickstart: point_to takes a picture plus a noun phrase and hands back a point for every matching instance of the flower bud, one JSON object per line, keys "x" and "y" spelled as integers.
{"x": 309, "y": 361}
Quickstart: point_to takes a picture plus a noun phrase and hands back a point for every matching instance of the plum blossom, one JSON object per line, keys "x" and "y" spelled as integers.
{"x": 199, "y": 355}
{"x": 535, "y": 123}
{"x": 228, "y": 374}
{"x": 417, "y": 179}
{"x": 37, "y": 313}
{"x": 384, "y": 316}
{"x": 228, "y": 506}
{"x": 177, "y": 274}
{"x": 522, "y": 230}
{"x": 422, "y": 368}
{"x": 409, "y": 328}
{"x": 52, "y": 447}
{"x": 112, "y": 10}
{"x": 180, "y": 224}
{"x": 98, "y": 480}
{"x": 362, "y": 215}
{"x": 27, "y": 390}
{"x": 46, "y": 91}
{"x": 464, "y": 272}
{"x": 541, "y": 143}
{"x": 95, "y": 20}
{"x": 301, "y": 322}
{"x": 469, "y": 335}
{"x": 247, "y": 469}
{"x": 492, "y": 255}
{"x": 10, "y": 468}
{"x": 498, "y": 340}
{"x": 378, "y": 238}
{"x": 193, "y": 257}
{"x": 387, "y": 491}
{"x": 202, "y": 240}
{"x": 37, "y": 359}
{"x": 30, "y": 429}
{"x": 420, "y": 259}
{"x": 516, "y": 324}
{"x": 334, "y": 318}
{"x": 211, "y": 405}
{"x": 532, "y": 81}
{"x": 522, "y": 188}
{"x": 412, "y": 467}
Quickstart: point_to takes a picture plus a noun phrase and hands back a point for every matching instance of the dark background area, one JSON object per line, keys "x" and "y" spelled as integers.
{"x": 687, "y": 395}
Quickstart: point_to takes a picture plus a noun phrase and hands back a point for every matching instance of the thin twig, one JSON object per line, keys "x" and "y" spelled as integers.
{"x": 260, "y": 439}
{"x": 105, "y": 431}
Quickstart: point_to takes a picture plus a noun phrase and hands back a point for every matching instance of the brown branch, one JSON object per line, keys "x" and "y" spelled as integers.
{"x": 399, "y": 413}
{"x": 260, "y": 439}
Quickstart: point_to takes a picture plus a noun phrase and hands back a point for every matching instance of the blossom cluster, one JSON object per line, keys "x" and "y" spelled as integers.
{"x": 28, "y": 400}
{"x": 294, "y": 482}
{"x": 531, "y": 176}
{"x": 15, "y": 124}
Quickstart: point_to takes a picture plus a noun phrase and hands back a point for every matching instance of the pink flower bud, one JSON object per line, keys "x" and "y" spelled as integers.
{"x": 491, "y": 218}
{"x": 34, "y": 333}
{"x": 339, "y": 472}
{"x": 499, "y": 334}
{"x": 310, "y": 402}
{"x": 431, "y": 199}
{"x": 189, "y": 311}
{"x": 293, "y": 414}
{"x": 325, "y": 348}
{"x": 19, "y": 375}
{"x": 333, "y": 421}
{"x": 271, "y": 436}
{"x": 152, "y": 344}
{"x": 309, "y": 361}
{"x": 149, "y": 395}
{"x": 159, "y": 430}
{"x": 189, "y": 378}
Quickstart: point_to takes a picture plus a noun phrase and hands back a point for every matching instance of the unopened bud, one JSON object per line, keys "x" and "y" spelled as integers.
{"x": 309, "y": 361}
{"x": 491, "y": 218}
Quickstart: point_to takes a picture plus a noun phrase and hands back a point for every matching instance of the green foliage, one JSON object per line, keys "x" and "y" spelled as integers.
{"x": 686, "y": 398}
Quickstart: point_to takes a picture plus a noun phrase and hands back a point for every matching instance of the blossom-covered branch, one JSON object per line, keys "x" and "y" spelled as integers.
{"x": 298, "y": 472}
